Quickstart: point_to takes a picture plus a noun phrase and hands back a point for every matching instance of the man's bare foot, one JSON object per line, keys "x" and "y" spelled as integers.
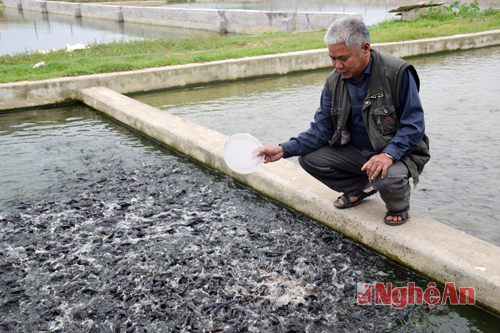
{"x": 353, "y": 200}
{"x": 396, "y": 218}
{"x": 347, "y": 202}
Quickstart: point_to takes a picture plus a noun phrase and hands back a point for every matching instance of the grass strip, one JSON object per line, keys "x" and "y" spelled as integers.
{"x": 140, "y": 54}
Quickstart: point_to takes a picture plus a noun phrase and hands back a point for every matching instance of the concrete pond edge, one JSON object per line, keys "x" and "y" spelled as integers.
{"x": 437, "y": 251}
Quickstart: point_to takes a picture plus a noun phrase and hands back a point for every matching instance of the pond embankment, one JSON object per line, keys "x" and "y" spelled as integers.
{"x": 230, "y": 20}
{"x": 62, "y": 90}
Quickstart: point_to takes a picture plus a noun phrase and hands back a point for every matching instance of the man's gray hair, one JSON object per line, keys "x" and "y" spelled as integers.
{"x": 350, "y": 31}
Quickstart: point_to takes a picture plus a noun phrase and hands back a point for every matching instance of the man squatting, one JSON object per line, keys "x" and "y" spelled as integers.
{"x": 368, "y": 134}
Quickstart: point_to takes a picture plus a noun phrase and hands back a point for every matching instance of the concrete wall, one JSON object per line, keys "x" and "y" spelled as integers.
{"x": 438, "y": 251}
{"x": 11, "y": 3}
{"x": 58, "y": 7}
{"x": 261, "y": 21}
{"x": 440, "y": 44}
{"x": 99, "y": 11}
{"x": 37, "y": 93}
{"x": 234, "y": 21}
{"x": 204, "y": 19}
{"x": 32, "y": 4}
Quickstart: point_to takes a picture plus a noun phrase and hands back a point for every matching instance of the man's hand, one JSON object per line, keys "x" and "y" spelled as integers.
{"x": 376, "y": 164}
{"x": 271, "y": 153}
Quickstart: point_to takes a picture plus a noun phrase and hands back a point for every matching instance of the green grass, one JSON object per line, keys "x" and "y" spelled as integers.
{"x": 435, "y": 25}
{"x": 139, "y": 54}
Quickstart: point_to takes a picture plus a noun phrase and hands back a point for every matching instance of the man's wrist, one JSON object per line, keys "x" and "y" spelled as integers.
{"x": 283, "y": 146}
{"x": 390, "y": 156}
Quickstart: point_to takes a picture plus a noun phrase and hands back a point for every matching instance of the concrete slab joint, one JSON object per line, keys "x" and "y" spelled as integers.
{"x": 287, "y": 24}
{"x": 77, "y": 11}
{"x": 43, "y": 6}
{"x": 222, "y": 24}
{"x": 309, "y": 26}
{"x": 119, "y": 15}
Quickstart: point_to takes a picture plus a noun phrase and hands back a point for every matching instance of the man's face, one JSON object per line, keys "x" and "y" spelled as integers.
{"x": 348, "y": 62}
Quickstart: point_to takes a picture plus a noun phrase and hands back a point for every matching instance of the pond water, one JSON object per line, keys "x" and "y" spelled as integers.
{"x": 102, "y": 229}
{"x": 460, "y": 185}
{"x": 27, "y": 30}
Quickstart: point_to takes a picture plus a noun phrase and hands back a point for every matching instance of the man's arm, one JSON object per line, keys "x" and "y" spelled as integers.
{"x": 411, "y": 119}
{"x": 408, "y": 136}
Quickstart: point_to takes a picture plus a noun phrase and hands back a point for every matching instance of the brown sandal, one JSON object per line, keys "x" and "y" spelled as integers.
{"x": 403, "y": 214}
{"x": 347, "y": 201}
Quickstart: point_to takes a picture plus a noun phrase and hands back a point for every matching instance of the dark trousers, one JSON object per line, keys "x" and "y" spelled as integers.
{"x": 339, "y": 168}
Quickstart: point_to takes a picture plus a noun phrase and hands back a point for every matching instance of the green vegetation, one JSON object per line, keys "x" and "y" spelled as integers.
{"x": 439, "y": 21}
{"x": 139, "y": 54}
{"x": 457, "y": 9}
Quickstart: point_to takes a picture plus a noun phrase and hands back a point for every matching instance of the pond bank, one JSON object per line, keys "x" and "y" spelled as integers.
{"x": 62, "y": 90}
{"x": 233, "y": 21}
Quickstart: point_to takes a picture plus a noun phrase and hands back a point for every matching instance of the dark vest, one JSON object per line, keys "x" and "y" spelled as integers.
{"x": 380, "y": 108}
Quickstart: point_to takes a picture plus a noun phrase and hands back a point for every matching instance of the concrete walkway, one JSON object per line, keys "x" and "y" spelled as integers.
{"x": 427, "y": 246}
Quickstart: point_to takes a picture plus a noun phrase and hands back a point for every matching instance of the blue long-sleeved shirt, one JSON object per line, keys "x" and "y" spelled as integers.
{"x": 408, "y": 136}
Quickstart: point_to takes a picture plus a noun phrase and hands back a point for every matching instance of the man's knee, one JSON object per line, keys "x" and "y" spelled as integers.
{"x": 395, "y": 183}
{"x": 390, "y": 184}
{"x": 311, "y": 163}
